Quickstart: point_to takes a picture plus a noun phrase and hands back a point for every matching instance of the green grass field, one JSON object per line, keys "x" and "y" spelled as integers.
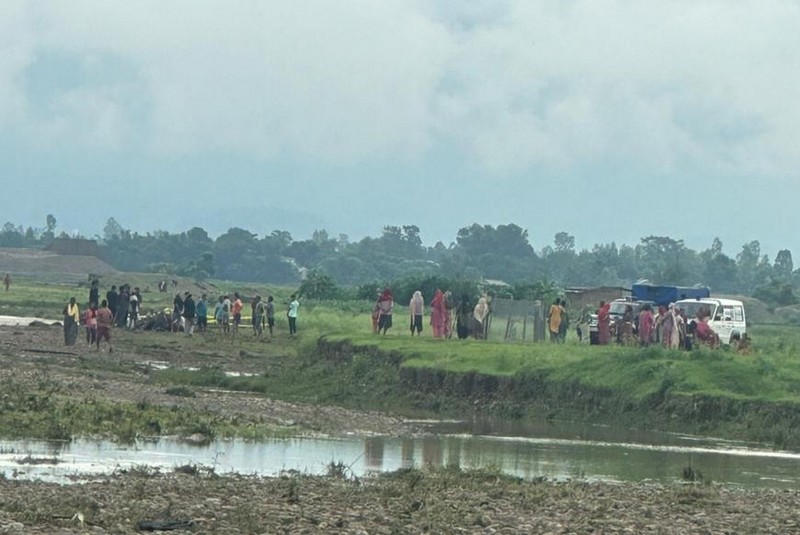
{"x": 770, "y": 372}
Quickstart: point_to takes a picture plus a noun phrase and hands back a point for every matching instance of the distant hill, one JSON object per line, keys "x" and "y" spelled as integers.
{"x": 52, "y": 267}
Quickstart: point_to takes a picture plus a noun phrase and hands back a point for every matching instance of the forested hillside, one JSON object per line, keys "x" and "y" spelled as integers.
{"x": 477, "y": 252}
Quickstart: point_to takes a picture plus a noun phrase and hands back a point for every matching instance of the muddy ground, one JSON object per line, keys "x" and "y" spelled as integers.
{"x": 30, "y": 354}
{"x": 439, "y": 501}
{"x": 407, "y": 502}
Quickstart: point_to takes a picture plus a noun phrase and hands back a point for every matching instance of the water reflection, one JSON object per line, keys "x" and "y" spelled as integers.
{"x": 529, "y": 451}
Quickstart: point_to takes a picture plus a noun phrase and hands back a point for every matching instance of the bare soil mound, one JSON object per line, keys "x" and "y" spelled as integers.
{"x": 52, "y": 267}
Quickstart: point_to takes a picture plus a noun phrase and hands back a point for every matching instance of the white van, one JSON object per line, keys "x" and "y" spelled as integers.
{"x": 726, "y": 317}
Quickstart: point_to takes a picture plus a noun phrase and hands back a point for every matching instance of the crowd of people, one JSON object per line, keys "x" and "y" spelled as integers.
{"x": 667, "y": 326}
{"x": 448, "y": 316}
{"x": 122, "y": 308}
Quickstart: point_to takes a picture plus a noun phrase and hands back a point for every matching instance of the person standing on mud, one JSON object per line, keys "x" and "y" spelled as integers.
{"x": 90, "y": 323}
{"x": 133, "y": 314}
{"x": 270, "y": 310}
{"x": 218, "y": 312}
{"x": 189, "y": 312}
{"x": 123, "y": 303}
{"x": 226, "y": 314}
{"x": 105, "y": 319}
{"x": 94, "y": 293}
{"x": 202, "y": 314}
{"x": 7, "y": 281}
{"x": 294, "y": 304}
{"x": 177, "y": 312}
{"x": 111, "y": 298}
{"x": 236, "y": 310}
{"x": 72, "y": 316}
{"x": 258, "y": 316}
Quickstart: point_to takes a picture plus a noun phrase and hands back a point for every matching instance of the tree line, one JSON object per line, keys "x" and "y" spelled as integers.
{"x": 478, "y": 252}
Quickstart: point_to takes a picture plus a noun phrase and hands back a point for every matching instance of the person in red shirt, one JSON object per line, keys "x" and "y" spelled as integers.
{"x": 236, "y": 310}
{"x": 90, "y": 323}
{"x": 104, "y": 318}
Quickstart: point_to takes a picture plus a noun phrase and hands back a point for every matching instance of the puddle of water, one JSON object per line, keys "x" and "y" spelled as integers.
{"x": 566, "y": 451}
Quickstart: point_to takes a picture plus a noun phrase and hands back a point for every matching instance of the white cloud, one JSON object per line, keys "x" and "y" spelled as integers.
{"x": 644, "y": 85}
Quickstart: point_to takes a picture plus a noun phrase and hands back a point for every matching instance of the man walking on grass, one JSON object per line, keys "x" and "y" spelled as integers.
{"x": 270, "y": 312}
{"x": 292, "y": 315}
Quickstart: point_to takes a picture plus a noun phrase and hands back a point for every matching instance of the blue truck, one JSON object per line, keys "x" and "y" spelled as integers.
{"x": 664, "y": 295}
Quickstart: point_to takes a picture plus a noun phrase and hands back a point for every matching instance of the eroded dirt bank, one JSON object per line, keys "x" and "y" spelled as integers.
{"x": 773, "y": 423}
{"x": 405, "y": 502}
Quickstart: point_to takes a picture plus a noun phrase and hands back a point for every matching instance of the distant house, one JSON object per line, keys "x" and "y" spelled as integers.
{"x": 75, "y": 247}
{"x": 577, "y": 298}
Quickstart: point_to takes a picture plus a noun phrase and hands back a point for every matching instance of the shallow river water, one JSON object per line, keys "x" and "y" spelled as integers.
{"x": 531, "y": 450}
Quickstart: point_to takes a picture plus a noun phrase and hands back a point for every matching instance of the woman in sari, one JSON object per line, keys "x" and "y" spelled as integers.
{"x": 646, "y": 322}
{"x": 604, "y": 323}
{"x": 72, "y": 316}
{"x": 480, "y": 314}
{"x": 438, "y": 314}
{"x": 625, "y": 327}
{"x": 464, "y": 317}
{"x": 704, "y": 333}
{"x": 672, "y": 328}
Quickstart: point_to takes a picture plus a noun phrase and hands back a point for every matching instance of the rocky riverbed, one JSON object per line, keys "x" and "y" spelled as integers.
{"x": 411, "y": 501}
{"x": 404, "y": 502}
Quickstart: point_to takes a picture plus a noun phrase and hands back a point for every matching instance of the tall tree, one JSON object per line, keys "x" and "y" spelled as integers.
{"x": 662, "y": 260}
{"x": 112, "y": 230}
{"x": 719, "y": 270}
{"x": 783, "y": 266}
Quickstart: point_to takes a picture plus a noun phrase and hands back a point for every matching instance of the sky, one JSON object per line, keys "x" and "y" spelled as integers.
{"x": 610, "y": 120}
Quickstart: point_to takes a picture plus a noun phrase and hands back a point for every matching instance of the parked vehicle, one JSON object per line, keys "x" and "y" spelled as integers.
{"x": 726, "y": 316}
{"x": 615, "y": 312}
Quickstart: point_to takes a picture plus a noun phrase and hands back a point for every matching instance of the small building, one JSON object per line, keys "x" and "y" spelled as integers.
{"x": 579, "y": 297}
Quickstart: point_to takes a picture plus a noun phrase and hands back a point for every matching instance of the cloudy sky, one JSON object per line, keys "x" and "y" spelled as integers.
{"x": 611, "y": 120}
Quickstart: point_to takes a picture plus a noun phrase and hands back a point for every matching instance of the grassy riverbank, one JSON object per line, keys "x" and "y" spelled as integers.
{"x": 336, "y": 360}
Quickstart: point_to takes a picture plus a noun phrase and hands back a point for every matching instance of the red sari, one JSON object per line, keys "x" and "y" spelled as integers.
{"x": 604, "y": 324}
{"x": 645, "y": 327}
{"x": 438, "y": 314}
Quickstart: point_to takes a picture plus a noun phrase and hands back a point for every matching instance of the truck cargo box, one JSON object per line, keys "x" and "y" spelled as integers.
{"x": 664, "y": 295}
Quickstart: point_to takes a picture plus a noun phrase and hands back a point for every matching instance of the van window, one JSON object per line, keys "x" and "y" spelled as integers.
{"x": 728, "y": 313}
{"x": 738, "y": 314}
{"x": 692, "y": 308}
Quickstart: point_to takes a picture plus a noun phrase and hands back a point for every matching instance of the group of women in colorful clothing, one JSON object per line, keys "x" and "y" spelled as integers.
{"x": 666, "y": 326}
{"x": 441, "y": 320}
